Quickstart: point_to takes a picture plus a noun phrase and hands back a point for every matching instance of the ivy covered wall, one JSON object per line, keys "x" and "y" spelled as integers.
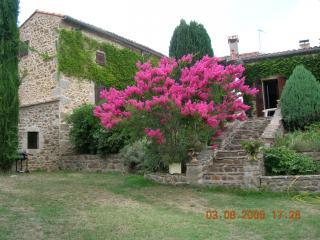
{"x": 281, "y": 66}
{"x": 76, "y": 57}
{"x": 278, "y": 66}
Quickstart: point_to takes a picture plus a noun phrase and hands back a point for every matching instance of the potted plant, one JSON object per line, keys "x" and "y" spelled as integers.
{"x": 252, "y": 148}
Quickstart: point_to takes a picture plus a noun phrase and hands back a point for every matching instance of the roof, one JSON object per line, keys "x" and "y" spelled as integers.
{"x": 241, "y": 55}
{"x": 103, "y": 33}
{"x": 288, "y": 53}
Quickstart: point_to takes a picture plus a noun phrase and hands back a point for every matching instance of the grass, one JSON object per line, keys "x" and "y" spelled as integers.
{"x": 67, "y": 205}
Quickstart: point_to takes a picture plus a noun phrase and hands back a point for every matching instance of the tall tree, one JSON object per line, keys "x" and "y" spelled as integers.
{"x": 192, "y": 38}
{"x": 9, "y": 82}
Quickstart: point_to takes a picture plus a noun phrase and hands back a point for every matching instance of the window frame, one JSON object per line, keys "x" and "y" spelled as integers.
{"x": 100, "y": 58}
{"x": 32, "y": 145}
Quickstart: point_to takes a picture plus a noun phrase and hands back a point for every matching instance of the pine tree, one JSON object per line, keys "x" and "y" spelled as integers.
{"x": 9, "y": 82}
{"x": 300, "y": 99}
{"x": 192, "y": 38}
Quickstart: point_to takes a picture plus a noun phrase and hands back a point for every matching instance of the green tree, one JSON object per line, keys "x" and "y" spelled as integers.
{"x": 300, "y": 99}
{"x": 9, "y": 82}
{"x": 192, "y": 38}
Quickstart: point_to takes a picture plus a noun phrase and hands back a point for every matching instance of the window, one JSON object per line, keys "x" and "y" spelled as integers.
{"x": 24, "y": 48}
{"x": 33, "y": 140}
{"x": 100, "y": 58}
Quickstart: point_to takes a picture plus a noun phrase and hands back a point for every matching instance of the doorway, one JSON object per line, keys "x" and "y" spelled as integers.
{"x": 270, "y": 93}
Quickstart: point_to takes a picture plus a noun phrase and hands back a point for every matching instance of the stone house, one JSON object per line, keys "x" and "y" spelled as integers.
{"x": 48, "y": 96}
{"x": 271, "y": 70}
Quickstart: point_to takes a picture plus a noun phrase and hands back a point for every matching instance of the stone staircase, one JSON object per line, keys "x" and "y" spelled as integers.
{"x": 230, "y": 165}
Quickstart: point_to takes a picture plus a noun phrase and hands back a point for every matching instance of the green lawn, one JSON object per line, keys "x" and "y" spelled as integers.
{"x": 112, "y": 206}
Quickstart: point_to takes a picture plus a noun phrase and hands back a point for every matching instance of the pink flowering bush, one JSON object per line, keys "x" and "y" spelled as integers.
{"x": 177, "y": 105}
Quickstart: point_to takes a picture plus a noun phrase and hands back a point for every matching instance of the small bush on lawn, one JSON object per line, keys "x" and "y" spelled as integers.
{"x": 89, "y": 137}
{"x": 302, "y": 141}
{"x": 284, "y": 161}
{"x": 300, "y": 100}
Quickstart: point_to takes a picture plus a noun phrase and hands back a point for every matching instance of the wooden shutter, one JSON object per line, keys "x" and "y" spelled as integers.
{"x": 100, "y": 58}
{"x": 259, "y": 98}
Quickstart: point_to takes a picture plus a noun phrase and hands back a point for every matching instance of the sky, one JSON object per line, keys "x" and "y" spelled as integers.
{"x": 151, "y": 23}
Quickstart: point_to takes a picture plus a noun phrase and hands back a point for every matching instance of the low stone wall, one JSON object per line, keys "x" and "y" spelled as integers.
{"x": 298, "y": 183}
{"x": 163, "y": 178}
{"x": 92, "y": 163}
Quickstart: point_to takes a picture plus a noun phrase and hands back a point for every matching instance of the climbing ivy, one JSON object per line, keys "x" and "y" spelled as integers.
{"x": 281, "y": 66}
{"x": 76, "y": 57}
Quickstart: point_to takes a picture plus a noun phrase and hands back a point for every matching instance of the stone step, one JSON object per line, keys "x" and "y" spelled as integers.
{"x": 234, "y": 147}
{"x": 230, "y": 153}
{"x": 223, "y": 176}
{"x": 229, "y": 160}
{"x": 225, "y": 168}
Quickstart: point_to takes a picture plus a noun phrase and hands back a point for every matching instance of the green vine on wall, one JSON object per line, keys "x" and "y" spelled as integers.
{"x": 278, "y": 66}
{"x": 281, "y": 66}
{"x": 76, "y": 57}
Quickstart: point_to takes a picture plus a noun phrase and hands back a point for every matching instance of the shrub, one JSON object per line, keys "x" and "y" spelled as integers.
{"x": 140, "y": 157}
{"x": 177, "y": 115}
{"x": 302, "y": 141}
{"x": 89, "y": 137}
{"x": 83, "y": 128}
{"x": 300, "y": 99}
{"x": 110, "y": 140}
{"x": 252, "y": 147}
{"x": 134, "y": 155}
{"x": 284, "y": 161}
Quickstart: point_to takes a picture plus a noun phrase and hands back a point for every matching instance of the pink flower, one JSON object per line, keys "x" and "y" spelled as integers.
{"x": 158, "y": 95}
{"x": 186, "y": 58}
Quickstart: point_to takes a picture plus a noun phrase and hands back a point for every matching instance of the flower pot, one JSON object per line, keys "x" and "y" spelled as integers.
{"x": 175, "y": 168}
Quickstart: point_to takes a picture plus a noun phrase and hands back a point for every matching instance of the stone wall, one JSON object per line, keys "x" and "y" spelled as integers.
{"x": 39, "y": 75}
{"x": 92, "y": 163}
{"x": 74, "y": 93}
{"x": 44, "y": 119}
{"x": 163, "y": 178}
{"x": 299, "y": 183}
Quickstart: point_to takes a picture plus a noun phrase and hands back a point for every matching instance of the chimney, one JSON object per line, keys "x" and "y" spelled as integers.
{"x": 304, "y": 44}
{"x": 233, "y": 44}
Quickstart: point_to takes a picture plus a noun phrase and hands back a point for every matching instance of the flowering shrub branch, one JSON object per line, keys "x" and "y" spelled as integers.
{"x": 206, "y": 93}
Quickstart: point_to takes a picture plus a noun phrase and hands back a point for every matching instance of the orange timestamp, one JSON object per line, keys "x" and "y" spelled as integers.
{"x": 252, "y": 214}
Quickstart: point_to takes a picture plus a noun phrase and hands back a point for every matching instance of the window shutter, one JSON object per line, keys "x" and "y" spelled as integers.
{"x": 100, "y": 58}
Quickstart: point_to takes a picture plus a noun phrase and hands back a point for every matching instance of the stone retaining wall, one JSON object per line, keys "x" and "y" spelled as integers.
{"x": 165, "y": 178}
{"x": 92, "y": 163}
{"x": 298, "y": 183}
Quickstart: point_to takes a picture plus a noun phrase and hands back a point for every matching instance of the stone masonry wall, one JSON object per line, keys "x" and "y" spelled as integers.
{"x": 74, "y": 93}
{"x": 42, "y": 118}
{"x": 39, "y": 76}
{"x": 293, "y": 183}
{"x": 92, "y": 163}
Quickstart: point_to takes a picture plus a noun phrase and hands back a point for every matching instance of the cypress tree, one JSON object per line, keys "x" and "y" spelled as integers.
{"x": 9, "y": 82}
{"x": 192, "y": 38}
{"x": 300, "y": 99}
